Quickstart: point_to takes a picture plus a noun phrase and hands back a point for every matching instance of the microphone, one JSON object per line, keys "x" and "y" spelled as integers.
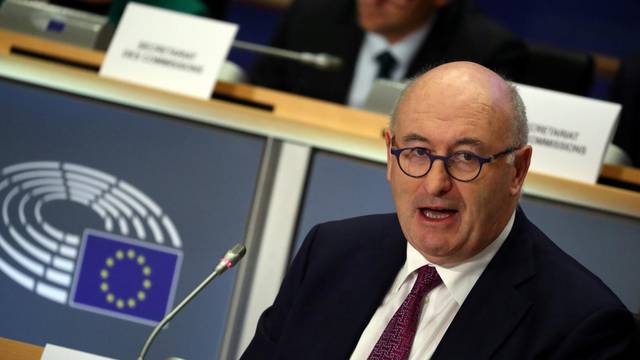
{"x": 320, "y": 61}
{"x": 230, "y": 258}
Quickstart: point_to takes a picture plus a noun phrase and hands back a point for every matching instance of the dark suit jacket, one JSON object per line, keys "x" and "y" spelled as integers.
{"x": 533, "y": 301}
{"x": 330, "y": 26}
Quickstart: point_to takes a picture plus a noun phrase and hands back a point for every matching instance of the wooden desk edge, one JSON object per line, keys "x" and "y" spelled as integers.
{"x": 18, "y": 350}
{"x": 625, "y": 174}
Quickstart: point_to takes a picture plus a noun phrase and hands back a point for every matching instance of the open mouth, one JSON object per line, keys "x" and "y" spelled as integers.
{"x": 437, "y": 213}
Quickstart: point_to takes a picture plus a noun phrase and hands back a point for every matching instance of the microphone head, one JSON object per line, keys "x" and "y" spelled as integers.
{"x": 328, "y": 61}
{"x": 236, "y": 253}
{"x": 322, "y": 61}
{"x": 231, "y": 258}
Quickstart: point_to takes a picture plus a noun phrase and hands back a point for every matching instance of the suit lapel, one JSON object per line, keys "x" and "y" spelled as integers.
{"x": 337, "y": 84}
{"x": 494, "y": 307}
{"x": 350, "y": 50}
{"x": 332, "y": 85}
{"x": 373, "y": 275}
{"x": 351, "y": 36}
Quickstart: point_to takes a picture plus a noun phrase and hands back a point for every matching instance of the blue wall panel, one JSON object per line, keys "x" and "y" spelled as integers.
{"x": 201, "y": 179}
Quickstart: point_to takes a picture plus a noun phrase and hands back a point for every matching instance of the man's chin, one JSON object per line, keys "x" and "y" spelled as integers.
{"x": 434, "y": 249}
{"x": 370, "y": 26}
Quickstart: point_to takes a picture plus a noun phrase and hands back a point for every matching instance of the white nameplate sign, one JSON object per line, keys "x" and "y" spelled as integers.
{"x": 55, "y": 352}
{"x": 569, "y": 133}
{"x": 168, "y": 50}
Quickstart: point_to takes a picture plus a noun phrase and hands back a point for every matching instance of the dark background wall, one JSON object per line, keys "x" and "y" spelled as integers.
{"x": 593, "y": 26}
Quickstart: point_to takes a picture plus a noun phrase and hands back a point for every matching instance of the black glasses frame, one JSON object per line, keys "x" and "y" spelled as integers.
{"x": 433, "y": 158}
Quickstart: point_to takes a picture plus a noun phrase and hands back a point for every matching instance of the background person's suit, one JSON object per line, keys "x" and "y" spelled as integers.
{"x": 330, "y": 26}
{"x": 532, "y": 301}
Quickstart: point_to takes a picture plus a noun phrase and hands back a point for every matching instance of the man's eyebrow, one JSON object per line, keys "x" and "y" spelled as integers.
{"x": 468, "y": 141}
{"x": 414, "y": 137}
{"x": 475, "y": 142}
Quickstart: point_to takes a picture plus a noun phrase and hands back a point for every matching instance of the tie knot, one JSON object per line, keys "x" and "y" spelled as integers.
{"x": 428, "y": 279}
{"x": 386, "y": 64}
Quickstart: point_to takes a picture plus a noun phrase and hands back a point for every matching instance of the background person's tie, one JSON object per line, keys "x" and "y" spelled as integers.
{"x": 386, "y": 64}
{"x": 397, "y": 338}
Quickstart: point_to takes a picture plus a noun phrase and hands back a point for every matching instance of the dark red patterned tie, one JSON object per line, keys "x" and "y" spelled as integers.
{"x": 397, "y": 338}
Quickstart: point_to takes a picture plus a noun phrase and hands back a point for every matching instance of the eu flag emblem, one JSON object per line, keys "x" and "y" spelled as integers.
{"x": 125, "y": 278}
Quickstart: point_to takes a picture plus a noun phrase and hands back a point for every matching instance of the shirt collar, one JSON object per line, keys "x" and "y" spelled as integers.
{"x": 403, "y": 50}
{"x": 460, "y": 278}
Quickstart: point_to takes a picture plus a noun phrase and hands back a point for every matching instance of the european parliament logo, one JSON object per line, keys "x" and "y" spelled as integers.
{"x": 109, "y": 271}
{"x": 125, "y": 278}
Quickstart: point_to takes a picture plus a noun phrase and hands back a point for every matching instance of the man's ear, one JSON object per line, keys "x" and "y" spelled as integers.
{"x": 388, "y": 137}
{"x": 521, "y": 165}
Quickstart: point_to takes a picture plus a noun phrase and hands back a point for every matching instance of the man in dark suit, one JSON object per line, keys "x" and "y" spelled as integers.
{"x": 449, "y": 30}
{"x": 458, "y": 272}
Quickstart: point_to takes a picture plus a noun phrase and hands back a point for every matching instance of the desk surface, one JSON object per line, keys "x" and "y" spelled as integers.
{"x": 17, "y": 350}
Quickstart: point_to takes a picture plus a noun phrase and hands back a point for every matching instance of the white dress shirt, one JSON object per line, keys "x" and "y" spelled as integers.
{"x": 367, "y": 66}
{"x": 439, "y": 306}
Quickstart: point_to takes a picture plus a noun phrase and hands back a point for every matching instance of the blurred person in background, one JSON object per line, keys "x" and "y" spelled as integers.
{"x": 392, "y": 39}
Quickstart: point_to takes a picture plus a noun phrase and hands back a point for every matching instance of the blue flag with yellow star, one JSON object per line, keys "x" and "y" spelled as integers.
{"x": 125, "y": 278}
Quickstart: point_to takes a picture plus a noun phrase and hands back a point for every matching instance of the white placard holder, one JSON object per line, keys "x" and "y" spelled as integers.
{"x": 168, "y": 50}
{"x": 569, "y": 133}
{"x": 55, "y": 352}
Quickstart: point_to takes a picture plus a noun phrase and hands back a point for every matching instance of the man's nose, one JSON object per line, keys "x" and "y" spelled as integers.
{"x": 437, "y": 181}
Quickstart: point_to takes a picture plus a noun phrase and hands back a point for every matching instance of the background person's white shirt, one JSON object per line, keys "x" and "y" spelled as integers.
{"x": 367, "y": 66}
{"x": 439, "y": 306}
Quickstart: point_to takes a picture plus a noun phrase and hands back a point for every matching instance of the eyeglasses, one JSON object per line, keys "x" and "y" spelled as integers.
{"x": 463, "y": 166}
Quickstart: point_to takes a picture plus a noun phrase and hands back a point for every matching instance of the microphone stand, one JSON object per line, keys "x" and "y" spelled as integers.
{"x": 227, "y": 262}
{"x": 320, "y": 61}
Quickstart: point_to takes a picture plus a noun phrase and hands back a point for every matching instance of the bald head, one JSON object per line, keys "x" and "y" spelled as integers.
{"x": 457, "y": 119}
{"x": 467, "y": 85}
